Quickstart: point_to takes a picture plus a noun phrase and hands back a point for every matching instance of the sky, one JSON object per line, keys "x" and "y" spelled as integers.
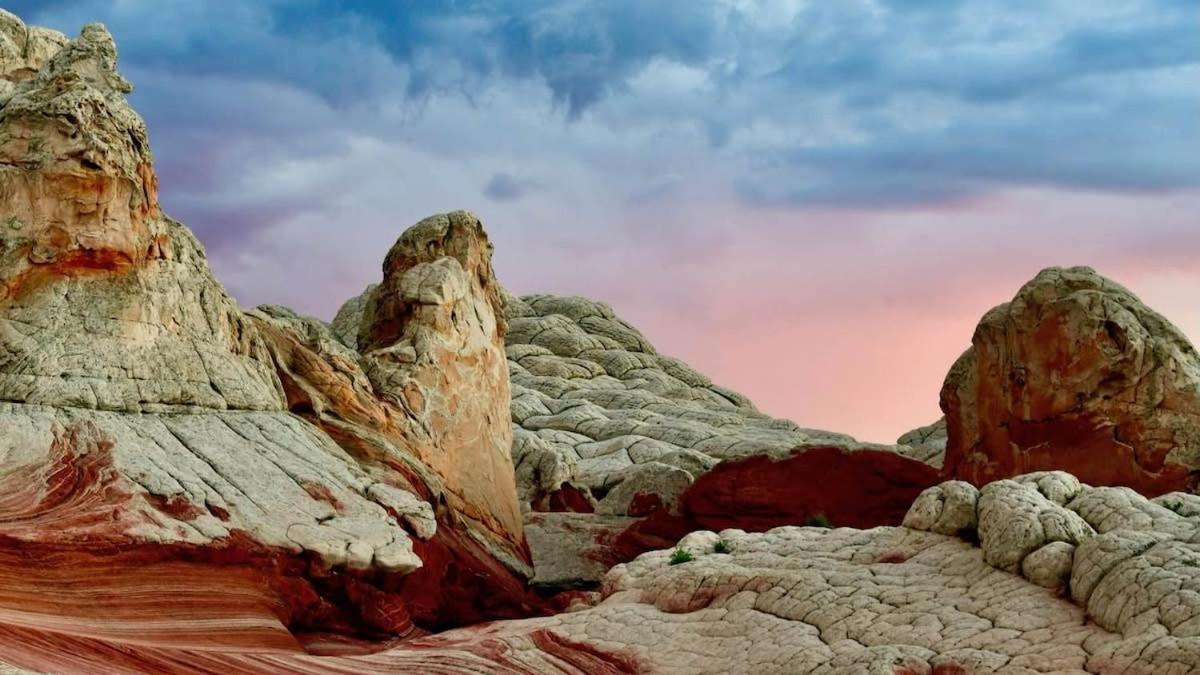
{"x": 812, "y": 202}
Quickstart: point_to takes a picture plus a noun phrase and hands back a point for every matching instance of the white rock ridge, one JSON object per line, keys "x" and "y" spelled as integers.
{"x": 594, "y": 405}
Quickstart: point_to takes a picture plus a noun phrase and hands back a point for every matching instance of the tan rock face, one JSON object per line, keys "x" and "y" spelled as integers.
{"x": 432, "y": 338}
{"x": 104, "y": 302}
{"x": 142, "y": 410}
{"x": 1075, "y": 373}
{"x": 76, "y": 178}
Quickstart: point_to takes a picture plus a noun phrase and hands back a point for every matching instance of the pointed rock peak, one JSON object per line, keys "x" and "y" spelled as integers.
{"x": 92, "y": 57}
{"x": 72, "y": 117}
{"x": 432, "y": 337}
{"x": 24, "y": 49}
{"x": 435, "y": 241}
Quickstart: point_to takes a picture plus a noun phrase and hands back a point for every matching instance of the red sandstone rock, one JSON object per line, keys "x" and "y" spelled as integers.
{"x": 1075, "y": 374}
{"x": 848, "y": 488}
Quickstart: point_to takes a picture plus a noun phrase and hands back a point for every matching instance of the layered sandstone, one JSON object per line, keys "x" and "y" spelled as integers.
{"x": 792, "y": 599}
{"x": 143, "y": 411}
{"x": 1075, "y": 373}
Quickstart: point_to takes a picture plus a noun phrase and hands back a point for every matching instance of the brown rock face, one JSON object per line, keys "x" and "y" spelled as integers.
{"x": 1075, "y": 374}
{"x": 829, "y": 485}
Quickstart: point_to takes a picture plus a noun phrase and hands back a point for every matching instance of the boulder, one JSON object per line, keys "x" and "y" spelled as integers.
{"x": 1075, "y": 373}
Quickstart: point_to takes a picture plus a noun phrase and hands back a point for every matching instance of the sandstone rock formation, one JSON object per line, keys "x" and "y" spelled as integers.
{"x": 187, "y": 486}
{"x": 1075, "y": 373}
{"x": 594, "y": 405}
{"x": 927, "y": 443}
{"x": 143, "y": 410}
{"x": 431, "y": 337}
{"x": 793, "y": 599}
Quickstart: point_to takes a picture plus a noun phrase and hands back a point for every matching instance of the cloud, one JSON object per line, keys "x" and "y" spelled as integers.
{"x": 858, "y": 103}
{"x": 502, "y": 187}
{"x": 804, "y": 177}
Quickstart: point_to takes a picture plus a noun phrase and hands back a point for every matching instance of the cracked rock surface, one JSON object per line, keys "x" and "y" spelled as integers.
{"x": 818, "y": 600}
{"x": 592, "y": 399}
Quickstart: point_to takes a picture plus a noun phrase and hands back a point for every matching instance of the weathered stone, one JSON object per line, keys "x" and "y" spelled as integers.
{"x": 572, "y": 549}
{"x": 86, "y": 258}
{"x": 949, "y": 508}
{"x": 1049, "y": 566}
{"x": 927, "y": 443}
{"x": 579, "y": 369}
{"x": 431, "y": 336}
{"x": 1078, "y": 374}
{"x": 645, "y": 488}
{"x": 143, "y": 411}
{"x": 1015, "y": 519}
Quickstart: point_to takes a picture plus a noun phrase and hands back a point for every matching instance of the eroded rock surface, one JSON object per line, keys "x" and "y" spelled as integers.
{"x": 592, "y": 399}
{"x": 927, "y": 443}
{"x": 1075, "y": 373}
{"x": 142, "y": 409}
{"x": 430, "y": 335}
{"x": 800, "y": 599}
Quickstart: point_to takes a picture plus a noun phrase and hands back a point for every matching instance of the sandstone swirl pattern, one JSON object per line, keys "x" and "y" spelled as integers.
{"x": 790, "y": 600}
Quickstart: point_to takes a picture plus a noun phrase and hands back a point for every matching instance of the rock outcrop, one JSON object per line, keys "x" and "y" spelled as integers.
{"x": 431, "y": 338}
{"x": 1075, "y": 373}
{"x": 595, "y": 405}
{"x": 793, "y": 599}
{"x": 927, "y": 443}
{"x": 187, "y": 486}
{"x": 143, "y": 411}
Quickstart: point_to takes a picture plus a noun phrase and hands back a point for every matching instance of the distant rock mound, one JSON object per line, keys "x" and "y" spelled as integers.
{"x": 1075, "y": 373}
{"x": 927, "y": 443}
{"x": 604, "y": 421}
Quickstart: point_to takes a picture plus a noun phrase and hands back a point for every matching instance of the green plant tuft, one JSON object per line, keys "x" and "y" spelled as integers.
{"x": 818, "y": 520}
{"x": 722, "y": 546}
{"x": 681, "y": 555}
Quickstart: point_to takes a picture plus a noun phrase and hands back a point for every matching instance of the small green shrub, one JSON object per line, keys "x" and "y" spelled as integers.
{"x": 1177, "y": 507}
{"x": 681, "y": 555}
{"x": 722, "y": 546}
{"x": 818, "y": 520}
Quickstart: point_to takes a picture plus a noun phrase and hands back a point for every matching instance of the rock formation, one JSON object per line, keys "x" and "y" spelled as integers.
{"x": 793, "y": 599}
{"x": 143, "y": 410}
{"x": 927, "y": 443}
{"x": 1075, "y": 373}
{"x": 187, "y": 486}
{"x": 598, "y": 412}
